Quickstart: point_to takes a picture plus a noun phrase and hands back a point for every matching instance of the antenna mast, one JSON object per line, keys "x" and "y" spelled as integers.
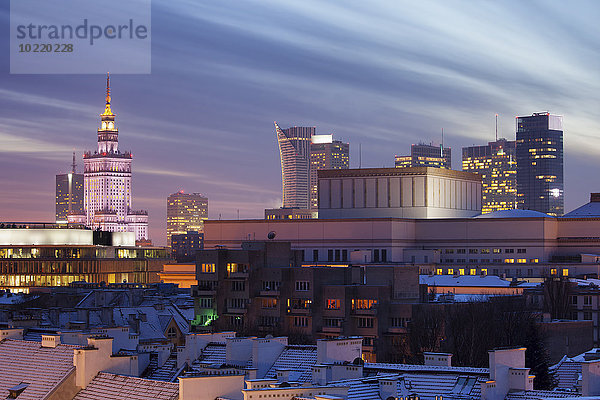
{"x": 496, "y": 127}
{"x": 442, "y": 145}
{"x": 74, "y": 165}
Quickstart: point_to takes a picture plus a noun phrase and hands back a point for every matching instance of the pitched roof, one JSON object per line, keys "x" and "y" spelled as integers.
{"x": 42, "y": 368}
{"x": 107, "y": 386}
{"x": 299, "y": 359}
{"x": 156, "y": 321}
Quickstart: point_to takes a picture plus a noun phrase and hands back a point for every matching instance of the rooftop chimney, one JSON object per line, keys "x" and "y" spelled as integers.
{"x": 594, "y": 197}
{"x": 51, "y": 341}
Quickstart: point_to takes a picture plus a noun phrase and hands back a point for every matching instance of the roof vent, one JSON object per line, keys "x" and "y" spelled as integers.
{"x": 15, "y": 391}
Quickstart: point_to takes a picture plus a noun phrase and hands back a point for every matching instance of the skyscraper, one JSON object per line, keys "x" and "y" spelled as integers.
{"x": 107, "y": 183}
{"x": 294, "y": 151}
{"x": 539, "y": 150}
{"x": 185, "y": 212}
{"x": 497, "y": 165}
{"x": 426, "y": 155}
{"x": 69, "y": 194}
{"x": 325, "y": 153}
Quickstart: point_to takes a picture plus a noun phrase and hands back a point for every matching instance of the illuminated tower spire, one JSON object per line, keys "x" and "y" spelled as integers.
{"x": 108, "y": 133}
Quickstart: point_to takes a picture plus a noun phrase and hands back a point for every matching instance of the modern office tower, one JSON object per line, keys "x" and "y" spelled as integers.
{"x": 426, "y": 155}
{"x": 185, "y": 212}
{"x": 69, "y": 194}
{"x": 497, "y": 165}
{"x": 325, "y": 153}
{"x": 107, "y": 183}
{"x": 539, "y": 150}
{"x": 294, "y": 150}
{"x": 185, "y": 245}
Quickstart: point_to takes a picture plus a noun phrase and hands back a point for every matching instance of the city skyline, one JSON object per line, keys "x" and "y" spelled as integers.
{"x": 391, "y": 86}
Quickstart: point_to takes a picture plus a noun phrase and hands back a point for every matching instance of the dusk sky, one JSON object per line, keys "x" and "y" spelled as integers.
{"x": 383, "y": 74}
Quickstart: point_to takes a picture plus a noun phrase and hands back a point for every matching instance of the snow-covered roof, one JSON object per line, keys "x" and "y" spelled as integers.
{"x": 43, "y": 368}
{"x": 107, "y": 386}
{"x": 589, "y": 210}
{"x": 299, "y": 359}
{"x": 464, "y": 280}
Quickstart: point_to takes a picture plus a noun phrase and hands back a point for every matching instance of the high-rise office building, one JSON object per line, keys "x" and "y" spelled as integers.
{"x": 294, "y": 151}
{"x": 426, "y": 155}
{"x": 539, "y": 150}
{"x": 69, "y": 194}
{"x": 185, "y": 212}
{"x": 325, "y": 153}
{"x": 497, "y": 165}
{"x": 107, "y": 183}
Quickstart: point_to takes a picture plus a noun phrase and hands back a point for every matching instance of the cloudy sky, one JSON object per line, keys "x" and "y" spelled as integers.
{"x": 383, "y": 74}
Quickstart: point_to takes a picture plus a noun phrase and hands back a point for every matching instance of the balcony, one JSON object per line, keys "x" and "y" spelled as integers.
{"x": 237, "y": 275}
{"x": 236, "y": 310}
{"x": 364, "y": 311}
{"x": 397, "y": 330}
{"x": 269, "y": 293}
{"x": 298, "y": 311}
{"x": 332, "y": 329}
{"x": 204, "y": 292}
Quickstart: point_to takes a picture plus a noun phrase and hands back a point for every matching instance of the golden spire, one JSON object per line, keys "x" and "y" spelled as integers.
{"x": 107, "y": 110}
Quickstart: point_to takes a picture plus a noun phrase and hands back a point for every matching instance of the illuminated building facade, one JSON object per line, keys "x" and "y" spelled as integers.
{"x": 426, "y": 155}
{"x": 185, "y": 212}
{"x": 294, "y": 151}
{"x": 539, "y": 151}
{"x": 497, "y": 165}
{"x": 69, "y": 194}
{"x": 43, "y": 255}
{"x": 325, "y": 153}
{"x": 107, "y": 183}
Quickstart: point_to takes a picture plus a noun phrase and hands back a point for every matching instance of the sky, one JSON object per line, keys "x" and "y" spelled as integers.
{"x": 379, "y": 74}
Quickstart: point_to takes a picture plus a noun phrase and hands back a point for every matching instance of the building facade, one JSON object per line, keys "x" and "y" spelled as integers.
{"x": 426, "y": 155}
{"x": 497, "y": 165}
{"x": 325, "y": 153}
{"x": 44, "y": 256}
{"x": 294, "y": 151}
{"x": 108, "y": 199}
{"x": 69, "y": 194}
{"x": 539, "y": 151}
{"x": 185, "y": 245}
{"x": 185, "y": 212}
{"x": 420, "y": 192}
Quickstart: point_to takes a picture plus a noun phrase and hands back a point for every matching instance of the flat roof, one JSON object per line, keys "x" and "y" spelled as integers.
{"x": 358, "y": 172}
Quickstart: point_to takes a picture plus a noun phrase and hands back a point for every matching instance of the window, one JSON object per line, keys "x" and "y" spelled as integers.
{"x": 509, "y": 251}
{"x": 574, "y": 300}
{"x": 461, "y": 251}
{"x": 497, "y": 251}
{"x": 268, "y": 286}
{"x": 344, "y": 255}
{"x": 367, "y": 341}
{"x": 233, "y": 268}
{"x": 238, "y": 286}
{"x": 484, "y": 271}
{"x": 472, "y": 271}
{"x": 237, "y": 303}
{"x": 399, "y": 322}
{"x": 332, "y": 322}
{"x": 267, "y": 320}
{"x": 509, "y": 260}
{"x": 363, "y": 304}
{"x": 302, "y": 286}
{"x": 383, "y": 255}
{"x": 337, "y": 255}
{"x": 449, "y": 251}
{"x": 333, "y": 304}
{"x": 521, "y": 251}
{"x": 587, "y": 300}
{"x": 565, "y": 272}
{"x": 587, "y": 315}
{"x": 315, "y": 255}
{"x": 301, "y": 321}
{"x": 269, "y": 303}
{"x": 461, "y": 271}
{"x": 205, "y": 302}
{"x": 521, "y": 260}
{"x": 439, "y": 271}
{"x": 330, "y": 255}
{"x": 553, "y": 271}
{"x": 376, "y": 255}
{"x": 425, "y": 259}
{"x": 534, "y": 261}
{"x": 207, "y": 268}
{"x": 365, "y": 322}
{"x": 473, "y": 251}
{"x": 172, "y": 333}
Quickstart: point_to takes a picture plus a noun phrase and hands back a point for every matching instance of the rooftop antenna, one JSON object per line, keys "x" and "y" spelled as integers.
{"x": 360, "y": 155}
{"x": 442, "y": 145}
{"x": 496, "y": 127}
{"x": 74, "y": 165}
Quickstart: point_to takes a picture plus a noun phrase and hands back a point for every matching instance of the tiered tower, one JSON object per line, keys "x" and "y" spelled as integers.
{"x": 107, "y": 182}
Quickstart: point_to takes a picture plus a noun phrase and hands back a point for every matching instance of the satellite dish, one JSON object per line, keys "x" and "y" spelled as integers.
{"x": 271, "y": 235}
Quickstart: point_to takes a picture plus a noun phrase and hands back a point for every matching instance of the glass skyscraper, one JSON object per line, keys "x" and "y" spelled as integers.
{"x": 185, "y": 212}
{"x": 426, "y": 155}
{"x": 497, "y": 165}
{"x": 294, "y": 150}
{"x": 69, "y": 194}
{"x": 325, "y": 153}
{"x": 539, "y": 150}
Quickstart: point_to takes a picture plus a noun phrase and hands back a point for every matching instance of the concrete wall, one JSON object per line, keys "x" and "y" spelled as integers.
{"x": 211, "y": 387}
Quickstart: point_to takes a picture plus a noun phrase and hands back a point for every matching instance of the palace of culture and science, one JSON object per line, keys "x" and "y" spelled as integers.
{"x": 107, "y": 183}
